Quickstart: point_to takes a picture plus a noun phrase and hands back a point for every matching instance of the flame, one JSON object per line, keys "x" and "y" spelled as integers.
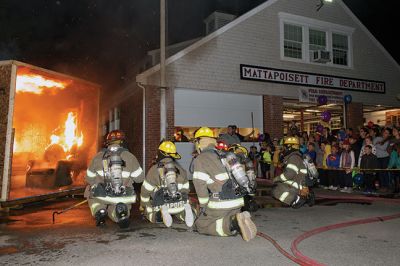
{"x": 33, "y": 83}
{"x": 70, "y": 137}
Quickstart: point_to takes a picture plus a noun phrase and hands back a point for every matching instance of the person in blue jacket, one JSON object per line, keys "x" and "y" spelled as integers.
{"x": 333, "y": 162}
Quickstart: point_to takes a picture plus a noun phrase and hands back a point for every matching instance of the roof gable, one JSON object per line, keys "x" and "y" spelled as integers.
{"x": 142, "y": 77}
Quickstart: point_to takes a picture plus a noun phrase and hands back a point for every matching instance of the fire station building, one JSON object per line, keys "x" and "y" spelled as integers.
{"x": 263, "y": 70}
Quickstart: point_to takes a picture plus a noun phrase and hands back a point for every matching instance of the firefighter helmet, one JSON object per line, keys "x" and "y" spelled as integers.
{"x": 292, "y": 142}
{"x": 168, "y": 148}
{"x": 222, "y": 146}
{"x": 237, "y": 148}
{"x": 204, "y": 132}
{"x": 114, "y": 136}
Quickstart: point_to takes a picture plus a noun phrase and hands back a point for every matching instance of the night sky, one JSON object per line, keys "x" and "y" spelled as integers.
{"x": 101, "y": 40}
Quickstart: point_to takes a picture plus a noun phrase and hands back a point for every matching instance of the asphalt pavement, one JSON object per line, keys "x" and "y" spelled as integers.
{"x": 28, "y": 237}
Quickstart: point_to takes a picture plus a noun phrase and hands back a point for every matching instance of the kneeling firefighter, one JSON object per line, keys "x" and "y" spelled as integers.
{"x": 299, "y": 174}
{"x": 110, "y": 177}
{"x": 243, "y": 155}
{"x": 165, "y": 189}
{"x": 219, "y": 181}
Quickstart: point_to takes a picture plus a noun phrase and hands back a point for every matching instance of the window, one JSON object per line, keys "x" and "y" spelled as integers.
{"x": 300, "y": 37}
{"x": 317, "y": 40}
{"x": 293, "y": 41}
{"x": 340, "y": 49}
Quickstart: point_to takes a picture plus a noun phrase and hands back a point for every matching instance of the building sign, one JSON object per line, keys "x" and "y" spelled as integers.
{"x": 248, "y": 72}
{"x": 310, "y": 95}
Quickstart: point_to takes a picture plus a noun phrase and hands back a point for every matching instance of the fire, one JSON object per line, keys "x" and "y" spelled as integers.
{"x": 70, "y": 137}
{"x": 33, "y": 83}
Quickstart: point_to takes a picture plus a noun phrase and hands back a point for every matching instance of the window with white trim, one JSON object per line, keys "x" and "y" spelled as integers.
{"x": 340, "y": 49}
{"x": 316, "y": 40}
{"x": 301, "y": 37}
{"x": 293, "y": 41}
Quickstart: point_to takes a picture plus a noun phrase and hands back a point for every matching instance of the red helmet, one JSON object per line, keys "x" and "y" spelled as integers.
{"x": 222, "y": 146}
{"x": 115, "y": 135}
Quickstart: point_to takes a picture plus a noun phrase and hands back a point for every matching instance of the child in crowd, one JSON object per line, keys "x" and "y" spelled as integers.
{"x": 266, "y": 159}
{"x": 368, "y": 141}
{"x": 369, "y": 161}
{"x": 322, "y": 155}
{"x": 303, "y": 146}
{"x": 326, "y": 148}
{"x": 254, "y": 156}
{"x": 276, "y": 161}
{"x": 311, "y": 151}
{"x": 347, "y": 161}
{"x": 333, "y": 162}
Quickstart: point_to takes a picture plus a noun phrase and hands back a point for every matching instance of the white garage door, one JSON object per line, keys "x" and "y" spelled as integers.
{"x": 194, "y": 108}
{"x": 217, "y": 109}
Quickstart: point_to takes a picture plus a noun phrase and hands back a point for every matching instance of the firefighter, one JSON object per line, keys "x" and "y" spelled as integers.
{"x": 110, "y": 177}
{"x": 291, "y": 186}
{"x": 165, "y": 189}
{"x": 219, "y": 202}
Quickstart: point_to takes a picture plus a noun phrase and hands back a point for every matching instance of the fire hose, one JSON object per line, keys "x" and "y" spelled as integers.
{"x": 359, "y": 169}
{"x": 302, "y": 259}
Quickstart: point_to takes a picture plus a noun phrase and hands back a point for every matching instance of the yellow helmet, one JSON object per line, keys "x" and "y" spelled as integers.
{"x": 237, "y": 148}
{"x": 204, "y": 132}
{"x": 292, "y": 141}
{"x": 168, "y": 148}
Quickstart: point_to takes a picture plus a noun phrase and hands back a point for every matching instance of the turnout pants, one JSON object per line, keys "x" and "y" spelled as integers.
{"x": 216, "y": 222}
{"x": 96, "y": 205}
{"x": 285, "y": 193}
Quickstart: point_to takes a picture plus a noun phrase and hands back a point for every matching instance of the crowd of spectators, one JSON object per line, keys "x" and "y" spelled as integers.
{"x": 340, "y": 155}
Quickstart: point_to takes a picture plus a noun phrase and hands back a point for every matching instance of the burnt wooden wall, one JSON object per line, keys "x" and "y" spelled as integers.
{"x": 5, "y": 79}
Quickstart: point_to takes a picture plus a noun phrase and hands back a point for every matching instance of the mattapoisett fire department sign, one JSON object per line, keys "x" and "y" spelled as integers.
{"x": 266, "y": 74}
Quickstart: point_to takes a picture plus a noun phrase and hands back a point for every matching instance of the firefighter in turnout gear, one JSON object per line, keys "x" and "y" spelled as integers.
{"x": 291, "y": 187}
{"x": 110, "y": 177}
{"x": 165, "y": 189}
{"x": 215, "y": 179}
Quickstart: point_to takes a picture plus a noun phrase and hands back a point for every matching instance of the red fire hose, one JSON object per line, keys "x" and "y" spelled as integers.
{"x": 300, "y": 258}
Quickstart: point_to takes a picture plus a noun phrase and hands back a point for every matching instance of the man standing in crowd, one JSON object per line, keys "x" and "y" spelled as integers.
{"x": 230, "y": 137}
{"x": 381, "y": 143}
{"x": 219, "y": 203}
{"x": 110, "y": 176}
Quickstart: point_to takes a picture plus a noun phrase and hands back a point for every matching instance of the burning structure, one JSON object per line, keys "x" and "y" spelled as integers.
{"x": 49, "y": 130}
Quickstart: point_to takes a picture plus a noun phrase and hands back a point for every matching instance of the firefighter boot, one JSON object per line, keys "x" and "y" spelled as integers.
{"x": 298, "y": 203}
{"x": 166, "y": 216}
{"x": 247, "y": 227}
{"x": 121, "y": 211}
{"x": 100, "y": 217}
{"x": 189, "y": 217}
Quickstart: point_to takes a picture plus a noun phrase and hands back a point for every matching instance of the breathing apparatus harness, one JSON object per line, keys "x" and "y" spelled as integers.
{"x": 112, "y": 164}
{"x": 239, "y": 183}
{"x": 168, "y": 193}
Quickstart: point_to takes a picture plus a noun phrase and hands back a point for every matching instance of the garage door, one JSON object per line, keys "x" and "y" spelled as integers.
{"x": 216, "y": 109}
{"x": 195, "y": 108}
